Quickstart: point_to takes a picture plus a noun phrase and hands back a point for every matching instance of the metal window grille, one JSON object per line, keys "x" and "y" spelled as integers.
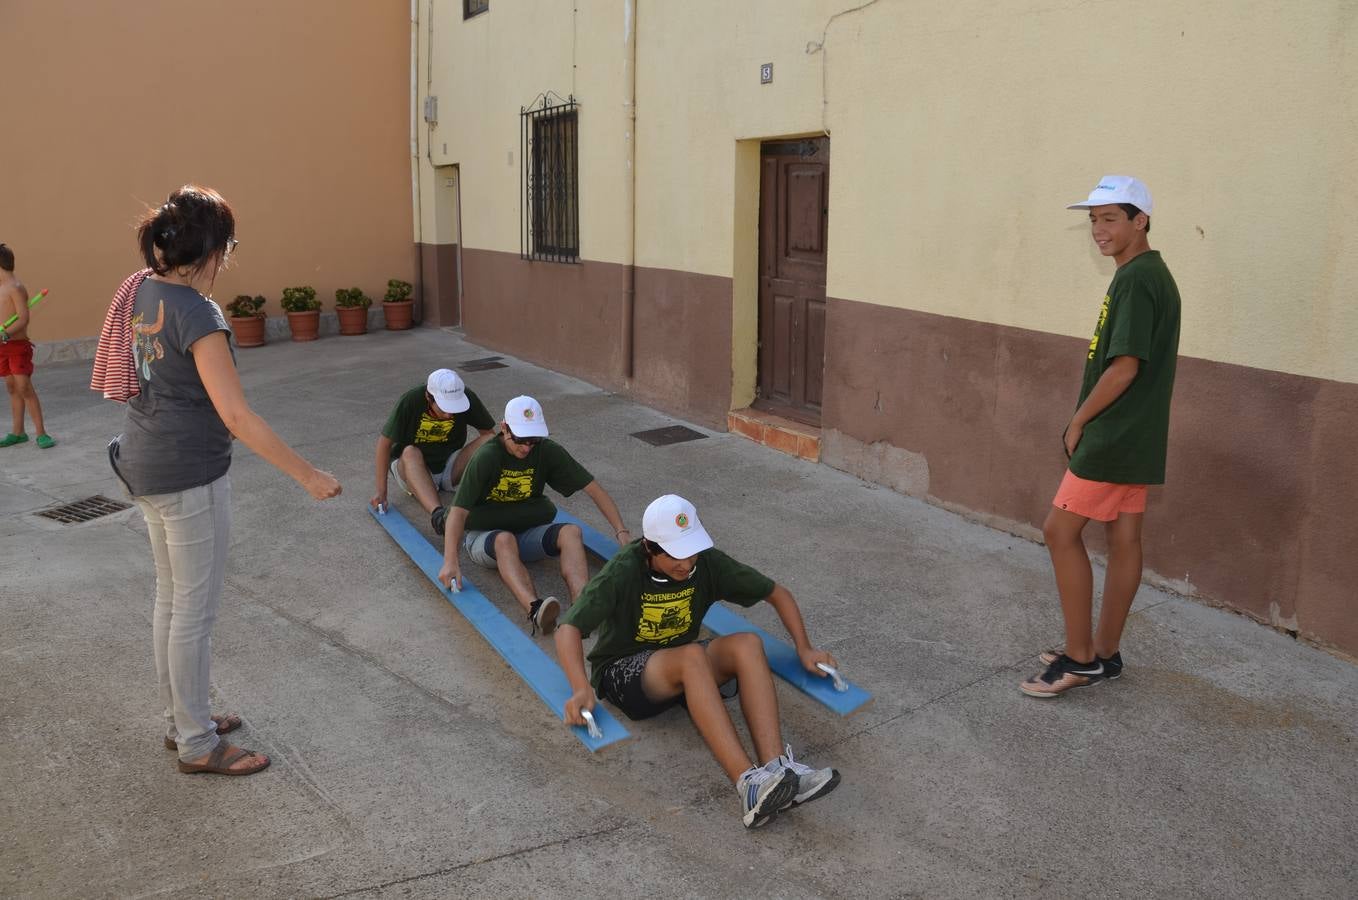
{"x": 549, "y": 216}
{"x": 474, "y": 7}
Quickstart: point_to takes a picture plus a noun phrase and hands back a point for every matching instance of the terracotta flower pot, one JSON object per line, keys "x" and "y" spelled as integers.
{"x": 249, "y": 330}
{"x": 399, "y": 314}
{"x": 352, "y": 319}
{"x": 306, "y": 326}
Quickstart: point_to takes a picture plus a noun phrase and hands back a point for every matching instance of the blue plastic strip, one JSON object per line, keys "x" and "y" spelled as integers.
{"x": 524, "y": 656}
{"x": 722, "y": 620}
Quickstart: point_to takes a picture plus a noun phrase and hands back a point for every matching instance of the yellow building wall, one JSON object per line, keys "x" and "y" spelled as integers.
{"x": 960, "y": 131}
{"x": 298, "y": 112}
{"x": 485, "y": 69}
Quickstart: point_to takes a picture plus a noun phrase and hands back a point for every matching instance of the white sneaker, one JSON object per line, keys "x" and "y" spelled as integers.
{"x": 543, "y": 614}
{"x": 811, "y": 783}
{"x": 764, "y": 790}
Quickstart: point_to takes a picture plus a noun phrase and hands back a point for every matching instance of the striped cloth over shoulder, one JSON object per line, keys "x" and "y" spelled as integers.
{"x": 115, "y": 370}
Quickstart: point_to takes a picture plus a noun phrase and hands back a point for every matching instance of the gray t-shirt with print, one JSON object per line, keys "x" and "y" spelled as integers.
{"x": 173, "y": 439}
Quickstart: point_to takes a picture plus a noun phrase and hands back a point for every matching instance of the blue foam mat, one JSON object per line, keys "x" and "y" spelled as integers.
{"x": 524, "y": 656}
{"x": 722, "y": 620}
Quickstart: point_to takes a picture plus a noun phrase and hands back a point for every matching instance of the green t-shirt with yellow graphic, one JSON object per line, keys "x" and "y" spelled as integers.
{"x": 437, "y": 439}
{"x": 634, "y": 608}
{"x": 1127, "y": 442}
{"x": 501, "y": 491}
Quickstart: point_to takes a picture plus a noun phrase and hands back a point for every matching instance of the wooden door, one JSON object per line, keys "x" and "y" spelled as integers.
{"x": 794, "y": 195}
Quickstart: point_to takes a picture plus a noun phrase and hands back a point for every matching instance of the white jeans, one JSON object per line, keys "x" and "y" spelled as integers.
{"x": 190, "y": 533}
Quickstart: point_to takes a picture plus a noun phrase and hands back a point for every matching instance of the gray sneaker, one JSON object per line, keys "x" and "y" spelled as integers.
{"x": 764, "y": 791}
{"x": 812, "y": 783}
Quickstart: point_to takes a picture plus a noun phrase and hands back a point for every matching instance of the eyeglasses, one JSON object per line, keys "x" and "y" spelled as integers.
{"x": 525, "y": 442}
{"x": 231, "y": 244}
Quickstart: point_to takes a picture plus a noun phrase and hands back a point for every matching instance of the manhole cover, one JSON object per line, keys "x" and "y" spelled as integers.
{"x": 483, "y": 364}
{"x": 84, "y": 510}
{"x": 672, "y": 434}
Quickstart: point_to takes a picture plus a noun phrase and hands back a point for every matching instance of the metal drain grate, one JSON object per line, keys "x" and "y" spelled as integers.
{"x": 483, "y": 364}
{"x": 84, "y": 510}
{"x": 672, "y": 434}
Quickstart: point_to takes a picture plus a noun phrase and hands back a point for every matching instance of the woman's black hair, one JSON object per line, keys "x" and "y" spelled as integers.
{"x": 189, "y": 232}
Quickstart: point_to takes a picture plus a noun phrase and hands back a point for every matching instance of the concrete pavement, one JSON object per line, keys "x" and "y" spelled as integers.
{"x": 410, "y": 761}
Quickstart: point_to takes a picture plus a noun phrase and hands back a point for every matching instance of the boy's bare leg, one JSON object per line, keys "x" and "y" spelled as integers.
{"x": 512, "y": 570}
{"x": 418, "y": 479}
{"x": 574, "y": 567}
{"x": 1121, "y": 581}
{"x": 1074, "y": 580}
{"x": 688, "y": 669}
{"x": 465, "y": 454}
{"x": 16, "y": 404}
{"x": 34, "y": 405}
{"x": 742, "y": 656}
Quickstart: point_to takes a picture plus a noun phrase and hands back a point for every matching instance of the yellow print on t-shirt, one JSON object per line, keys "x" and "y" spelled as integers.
{"x": 665, "y": 617}
{"x": 514, "y": 485}
{"x": 433, "y": 431}
{"x": 1098, "y": 327}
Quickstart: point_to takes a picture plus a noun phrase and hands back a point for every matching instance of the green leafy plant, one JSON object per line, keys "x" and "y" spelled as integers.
{"x": 352, "y": 298}
{"x": 246, "y": 307}
{"x": 397, "y": 291}
{"x": 300, "y": 299}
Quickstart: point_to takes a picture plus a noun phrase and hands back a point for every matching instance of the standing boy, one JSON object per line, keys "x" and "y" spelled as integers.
{"x": 421, "y": 443}
{"x": 16, "y": 357}
{"x": 648, "y": 604}
{"x": 1116, "y": 441}
{"x": 502, "y": 517}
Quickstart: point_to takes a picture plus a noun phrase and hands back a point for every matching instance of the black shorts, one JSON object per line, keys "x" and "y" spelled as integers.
{"x": 620, "y": 685}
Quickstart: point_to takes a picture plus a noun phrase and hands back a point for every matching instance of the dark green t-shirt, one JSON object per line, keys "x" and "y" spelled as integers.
{"x": 635, "y": 609}
{"x": 499, "y": 490}
{"x": 437, "y": 439}
{"x": 1127, "y": 442}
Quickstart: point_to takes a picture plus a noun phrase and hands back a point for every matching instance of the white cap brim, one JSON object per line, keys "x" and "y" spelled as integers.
{"x": 691, "y": 544}
{"x": 452, "y": 403}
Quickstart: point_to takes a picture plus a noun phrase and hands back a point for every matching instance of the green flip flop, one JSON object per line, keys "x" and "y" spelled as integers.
{"x": 10, "y": 440}
{"x": 46, "y": 441}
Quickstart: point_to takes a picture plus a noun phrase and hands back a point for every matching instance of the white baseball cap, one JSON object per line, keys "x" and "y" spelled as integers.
{"x": 1117, "y": 189}
{"x": 448, "y": 391}
{"x": 524, "y": 417}
{"x": 672, "y": 522}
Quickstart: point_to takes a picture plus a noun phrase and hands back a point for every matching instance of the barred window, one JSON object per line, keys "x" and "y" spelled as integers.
{"x": 474, "y": 7}
{"x": 551, "y": 209}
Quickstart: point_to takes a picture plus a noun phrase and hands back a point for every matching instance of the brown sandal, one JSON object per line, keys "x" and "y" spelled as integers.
{"x": 222, "y": 758}
{"x": 225, "y": 725}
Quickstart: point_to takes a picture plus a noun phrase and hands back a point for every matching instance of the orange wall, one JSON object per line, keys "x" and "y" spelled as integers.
{"x": 297, "y": 111}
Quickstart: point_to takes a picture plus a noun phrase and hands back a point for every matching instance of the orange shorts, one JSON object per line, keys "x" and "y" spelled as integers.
{"x": 1098, "y": 500}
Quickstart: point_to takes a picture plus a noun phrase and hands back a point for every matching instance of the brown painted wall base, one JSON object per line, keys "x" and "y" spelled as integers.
{"x": 438, "y": 273}
{"x": 569, "y": 318}
{"x": 1257, "y": 511}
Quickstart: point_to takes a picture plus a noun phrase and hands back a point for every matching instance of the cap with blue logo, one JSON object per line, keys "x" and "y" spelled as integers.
{"x": 1117, "y": 189}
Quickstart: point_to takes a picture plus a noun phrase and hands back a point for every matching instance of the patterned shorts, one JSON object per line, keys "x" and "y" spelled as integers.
{"x": 621, "y": 686}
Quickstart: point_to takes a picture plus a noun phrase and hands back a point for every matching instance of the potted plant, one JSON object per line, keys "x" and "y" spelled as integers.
{"x": 351, "y": 305}
{"x": 247, "y": 320}
{"x": 304, "y": 312}
{"x": 397, "y": 307}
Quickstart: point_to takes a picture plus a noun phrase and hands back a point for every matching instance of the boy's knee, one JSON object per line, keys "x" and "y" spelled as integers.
{"x": 746, "y": 644}
{"x": 570, "y": 535}
{"x": 506, "y": 545}
{"x": 1057, "y": 532}
{"x": 692, "y": 656}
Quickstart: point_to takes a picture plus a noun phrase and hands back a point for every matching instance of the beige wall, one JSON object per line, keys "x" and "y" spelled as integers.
{"x": 297, "y": 111}
{"x": 960, "y": 131}
{"x": 485, "y": 69}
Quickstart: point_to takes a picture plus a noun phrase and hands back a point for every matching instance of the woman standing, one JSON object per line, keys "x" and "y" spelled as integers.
{"x": 175, "y": 450}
